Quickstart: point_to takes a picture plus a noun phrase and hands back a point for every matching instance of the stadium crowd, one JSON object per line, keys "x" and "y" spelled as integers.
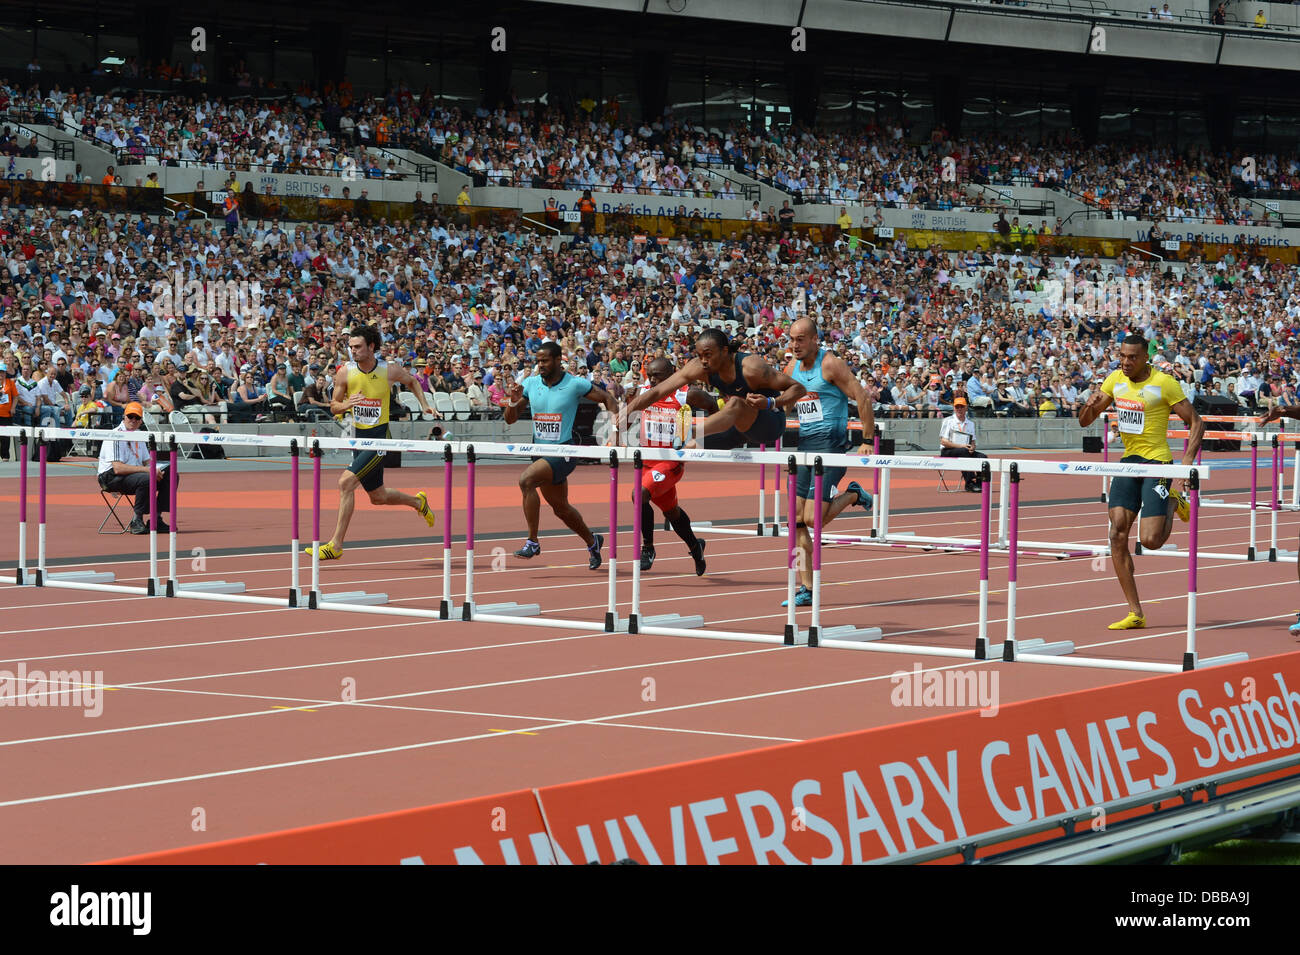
{"x": 84, "y": 320}
{"x": 334, "y": 133}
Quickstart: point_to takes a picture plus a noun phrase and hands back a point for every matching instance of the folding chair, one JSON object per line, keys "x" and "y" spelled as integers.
{"x": 111, "y": 503}
{"x": 943, "y": 483}
{"x": 181, "y": 422}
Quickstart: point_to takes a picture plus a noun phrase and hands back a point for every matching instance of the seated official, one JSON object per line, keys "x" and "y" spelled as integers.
{"x": 957, "y": 440}
{"x": 124, "y": 467}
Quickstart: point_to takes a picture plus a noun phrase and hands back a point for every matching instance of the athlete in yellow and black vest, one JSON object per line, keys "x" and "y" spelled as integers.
{"x": 363, "y": 387}
{"x": 1143, "y": 398}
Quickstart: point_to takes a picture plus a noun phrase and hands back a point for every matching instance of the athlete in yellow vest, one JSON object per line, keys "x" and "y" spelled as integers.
{"x": 362, "y": 387}
{"x": 1143, "y": 398}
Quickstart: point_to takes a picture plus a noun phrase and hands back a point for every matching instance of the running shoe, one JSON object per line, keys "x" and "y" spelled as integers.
{"x": 802, "y": 598}
{"x": 423, "y": 510}
{"x": 594, "y": 551}
{"x": 529, "y": 550}
{"x": 1295, "y": 627}
{"x": 1131, "y": 622}
{"x": 327, "y": 551}
{"x": 647, "y": 558}
{"x": 1181, "y": 507}
{"x": 864, "y": 498}
{"x": 697, "y": 555}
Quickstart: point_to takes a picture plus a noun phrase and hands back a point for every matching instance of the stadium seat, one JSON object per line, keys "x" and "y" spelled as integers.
{"x": 460, "y": 401}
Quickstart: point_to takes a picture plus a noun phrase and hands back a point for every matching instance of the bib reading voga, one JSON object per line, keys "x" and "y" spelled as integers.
{"x": 809, "y": 408}
{"x": 546, "y": 427}
{"x": 367, "y": 411}
{"x": 1132, "y": 415}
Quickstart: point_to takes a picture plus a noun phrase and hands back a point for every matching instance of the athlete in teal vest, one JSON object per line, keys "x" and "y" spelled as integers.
{"x": 824, "y": 426}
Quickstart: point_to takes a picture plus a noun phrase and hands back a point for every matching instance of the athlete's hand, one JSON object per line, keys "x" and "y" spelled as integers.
{"x": 351, "y": 401}
{"x": 1273, "y": 414}
{"x": 515, "y": 393}
{"x": 756, "y": 401}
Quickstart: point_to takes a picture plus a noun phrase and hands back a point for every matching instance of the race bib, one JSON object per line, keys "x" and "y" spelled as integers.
{"x": 809, "y": 408}
{"x": 366, "y": 412}
{"x": 4, "y": 397}
{"x": 546, "y": 427}
{"x": 1132, "y": 415}
{"x": 658, "y": 427}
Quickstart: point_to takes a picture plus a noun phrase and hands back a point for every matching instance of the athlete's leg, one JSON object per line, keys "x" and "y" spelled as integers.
{"x": 348, "y": 484}
{"x": 737, "y": 414}
{"x": 384, "y": 496}
{"x": 536, "y": 475}
{"x": 557, "y": 496}
{"x": 1157, "y": 515}
{"x": 1121, "y": 523}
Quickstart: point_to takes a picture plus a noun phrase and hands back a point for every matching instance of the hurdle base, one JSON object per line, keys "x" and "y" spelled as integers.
{"x": 297, "y": 598}
{"x": 611, "y": 622}
{"x": 84, "y": 576}
{"x": 1250, "y": 553}
{"x": 794, "y": 637}
{"x": 1238, "y": 657}
{"x": 1272, "y": 554}
{"x": 510, "y": 609}
{"x": 848, "y": 631}
{"x": 1034, "y": 646}
{"x": 635, "y": 622}
{"x": 208, "y": 587}
{"x": 444, "y": 610}
{"x": 355, "y": 597}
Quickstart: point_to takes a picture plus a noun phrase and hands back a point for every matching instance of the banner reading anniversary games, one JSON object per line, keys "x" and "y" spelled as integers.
{"x": 876, "y": 793}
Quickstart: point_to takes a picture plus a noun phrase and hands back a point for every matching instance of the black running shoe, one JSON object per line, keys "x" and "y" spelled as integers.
{"x": 594, "y": 551}
{"x": 529, "y": 550}
{"x": 647, "y": 558}
{"x": 697, "y": 554}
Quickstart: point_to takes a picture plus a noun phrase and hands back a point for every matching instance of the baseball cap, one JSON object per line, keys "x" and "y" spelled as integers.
{"x": 959, "y": 401}
{"x": 133, "y": 408}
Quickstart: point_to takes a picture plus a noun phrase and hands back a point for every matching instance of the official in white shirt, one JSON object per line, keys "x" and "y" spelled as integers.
{"x": 957, "y": 440}
{"x": 124, "y": 467}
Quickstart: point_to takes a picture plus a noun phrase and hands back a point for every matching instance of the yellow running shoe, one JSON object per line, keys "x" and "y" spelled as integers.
{"x": 1181, "y": 507}
{"x": 423, "y": 510}
{"x": 327, "y": 551}
{"x": 1131, "y": 622}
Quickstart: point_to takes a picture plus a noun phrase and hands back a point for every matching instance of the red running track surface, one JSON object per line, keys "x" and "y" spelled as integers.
{"x": 235, "y": 716}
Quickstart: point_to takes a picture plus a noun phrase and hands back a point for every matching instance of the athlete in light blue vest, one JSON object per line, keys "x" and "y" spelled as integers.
{"x": 553, "y": 395}
{"x": 824, "y": 426}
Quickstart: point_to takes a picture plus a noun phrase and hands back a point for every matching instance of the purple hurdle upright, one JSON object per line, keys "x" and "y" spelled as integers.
{"x": 1274, "y": 502}
{"x": 21, "y": 577}
{"x": 471, "y": 479}
{"x": 638, "y": 473}
{"x": 791, "y": 626}
{"x": 1254, "y": 494}
{"x": 172, "y": 480}
{"x": 1013, "y": 549}
{"x": 762, "y": 493}
{"x": 40, "y": 527}
{"x": 986, "y": 507}
{"x": 611, "y": 613}
{"x": 153, "y": 517}
{"x": 776, "y": 494}
{"x": 313, "y": 598}
{"x": 444, "y": 607}
{"x": 814, "y": 628}
{"x": 295, "y": 593}
{"x": 1194, "y": 494}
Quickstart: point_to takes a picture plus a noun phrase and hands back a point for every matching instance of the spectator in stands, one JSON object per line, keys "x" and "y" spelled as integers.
{"x": 976, "y": 394}
{"x": 1260, "y": 20}
{"x": 8, "y": 402}
{"x": 279, "y": 396}
{"x": 1220, "y": 15}
{"x": 316, "y": 398}
{"x": 53, "y": 404}
{"x": 957, "y": 440}
{"x": 124, "y": 468}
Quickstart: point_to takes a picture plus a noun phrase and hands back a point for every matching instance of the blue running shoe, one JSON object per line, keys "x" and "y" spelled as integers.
{"x": 864, "y": 498}
{"x": 1294, "y": 629}
{"x": 594, "y": 551}
{"x": 802, "y": 598}
{"x": 529, "y": 550}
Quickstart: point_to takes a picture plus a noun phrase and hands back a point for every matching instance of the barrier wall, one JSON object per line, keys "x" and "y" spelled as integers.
{"x": 857, "y": 797}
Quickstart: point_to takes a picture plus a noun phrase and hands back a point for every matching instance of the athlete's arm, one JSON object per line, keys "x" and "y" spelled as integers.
{"x": 397, "y": 375}
{"x": 688, "y": 373}
{"x": 1280, "y": 412}
{"x": 1195, "y": 425}
{"x": 759, "y": 375}
{"x": 1095, "y": 406}
{"x": 835, "y": 371}
{"x": 342, "y": 402}
{"x": 515, "y": 399}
